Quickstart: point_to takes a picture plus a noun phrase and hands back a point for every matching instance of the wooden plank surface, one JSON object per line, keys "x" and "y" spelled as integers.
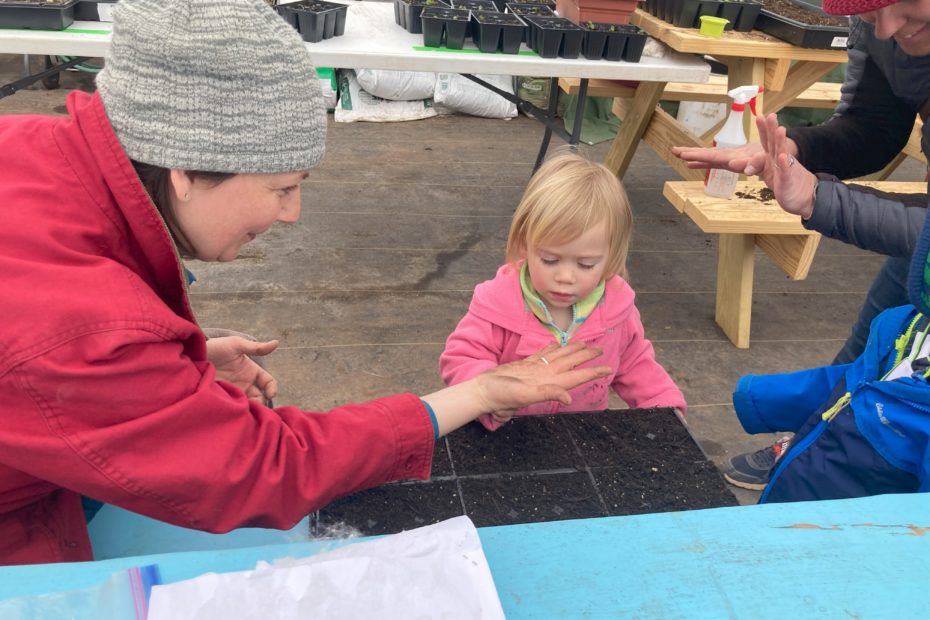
{"x": 752, "y": 216}
{"x": 820, "y": 95}
{"x": 752, "y": 44}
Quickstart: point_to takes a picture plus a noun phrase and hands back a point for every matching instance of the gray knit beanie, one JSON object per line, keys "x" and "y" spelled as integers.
{"x": 212, "y": 85}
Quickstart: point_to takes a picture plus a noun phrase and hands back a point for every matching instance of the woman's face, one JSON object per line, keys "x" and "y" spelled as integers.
{"x": 217, "y": 219}
{"x": 908, "y": 21}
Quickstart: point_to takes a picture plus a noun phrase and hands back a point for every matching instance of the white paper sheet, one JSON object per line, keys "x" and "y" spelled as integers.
{"x": 437, "y": 571}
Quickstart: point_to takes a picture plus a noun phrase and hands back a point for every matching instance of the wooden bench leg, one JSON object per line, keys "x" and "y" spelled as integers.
{"x": 735, "y": 261}
{"x": 633, "y": 126}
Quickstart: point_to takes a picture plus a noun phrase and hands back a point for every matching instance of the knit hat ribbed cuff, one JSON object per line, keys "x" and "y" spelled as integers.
{"x": 854, "y": 7}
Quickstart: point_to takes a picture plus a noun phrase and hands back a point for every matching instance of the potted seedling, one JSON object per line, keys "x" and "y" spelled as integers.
{"x": 554, "y": 36}
{"x": 474, "y": 5}
{"x": 444, "y": 25}
{"x": 37, "y": 14}
{"x": 635, "y": 42}
{"x": 407, "y": 13}
{"x": 527, "y": 8}
{"x": 613, "y": 42}
{"x": 493, "y": 31}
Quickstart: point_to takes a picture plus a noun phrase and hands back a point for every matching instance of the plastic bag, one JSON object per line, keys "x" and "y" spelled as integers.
{"x": 397, "y": 85}
{"x": 123, "y": 595}
{"x": 356, "y": 104}
{"x": 467, "y": 97}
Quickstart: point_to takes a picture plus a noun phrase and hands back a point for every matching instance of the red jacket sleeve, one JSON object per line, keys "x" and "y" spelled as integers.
{"x": 144, "y": 427}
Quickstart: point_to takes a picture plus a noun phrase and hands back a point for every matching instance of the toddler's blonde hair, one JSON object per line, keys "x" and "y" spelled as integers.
{"x": 568, "y": 195}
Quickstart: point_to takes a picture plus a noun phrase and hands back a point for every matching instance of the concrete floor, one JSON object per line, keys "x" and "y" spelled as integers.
{"x": 402, "y": 220}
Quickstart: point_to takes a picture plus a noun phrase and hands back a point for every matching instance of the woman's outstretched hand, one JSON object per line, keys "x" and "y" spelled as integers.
{"x": 231, "y": 357}
{"x": 546, "y": 375}
{"x": 732, "y": 159}
{"x": 792, "y": 183}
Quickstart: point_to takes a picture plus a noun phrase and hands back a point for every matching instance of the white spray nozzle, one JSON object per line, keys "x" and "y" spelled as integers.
{"x": 744, "y": 94}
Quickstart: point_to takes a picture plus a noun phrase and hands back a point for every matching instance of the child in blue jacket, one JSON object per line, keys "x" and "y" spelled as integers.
{"x": 861, "y": 428}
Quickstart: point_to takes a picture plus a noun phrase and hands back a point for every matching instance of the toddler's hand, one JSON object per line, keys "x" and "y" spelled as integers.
{"x": 502, "y": 417}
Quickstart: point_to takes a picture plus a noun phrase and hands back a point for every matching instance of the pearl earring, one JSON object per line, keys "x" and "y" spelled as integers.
{"x": 187, "y": 196}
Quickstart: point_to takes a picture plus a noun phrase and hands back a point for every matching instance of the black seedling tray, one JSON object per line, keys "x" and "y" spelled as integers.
{"x": 506, "y": 33}
{"x": 407, "y": 13}
{"x": 315, "y": 20}
{"x": 474, "y": 5}
{"x": 613, "y": 42}
{"x": 544, "y": 468}
{"x": 444, "y": 26}
{"x": 529, "y": 8}
{"x": 742, "y": 15}
{"x": 87, "y": 10}
{"x": 37, "y": 16}
{"x": 800, "y": 34}
{"x": 552, "y": 37}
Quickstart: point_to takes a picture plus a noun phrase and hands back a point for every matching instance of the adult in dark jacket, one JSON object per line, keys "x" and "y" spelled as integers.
{"x": 887, "y": 84}
{"x": 207, "y": 117}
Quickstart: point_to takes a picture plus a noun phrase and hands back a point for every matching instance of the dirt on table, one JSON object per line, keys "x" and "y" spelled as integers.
{"x": 787, "y": 8}
{"x": 762, "y": 195}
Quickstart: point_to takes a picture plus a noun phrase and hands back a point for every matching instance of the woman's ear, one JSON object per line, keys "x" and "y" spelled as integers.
{"x": 181, "y": 185}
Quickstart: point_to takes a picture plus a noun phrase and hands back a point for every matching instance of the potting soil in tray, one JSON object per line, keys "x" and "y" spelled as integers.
{"x": 544, "y": 468}
{"x": 802, "y": 24}
{"x": 46, "y": 15}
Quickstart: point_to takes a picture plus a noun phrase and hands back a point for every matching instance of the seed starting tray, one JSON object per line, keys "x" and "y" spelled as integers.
{"x": 37, "y": 15}
{"x": 544, "y": 468}
{"x": 800, "y": 34}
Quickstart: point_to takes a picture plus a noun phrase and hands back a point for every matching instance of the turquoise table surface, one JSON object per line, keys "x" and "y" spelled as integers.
{"x": 860, "y": 558}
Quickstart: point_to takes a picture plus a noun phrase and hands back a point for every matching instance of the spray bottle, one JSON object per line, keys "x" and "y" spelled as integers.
{"x": 722, "y": 183}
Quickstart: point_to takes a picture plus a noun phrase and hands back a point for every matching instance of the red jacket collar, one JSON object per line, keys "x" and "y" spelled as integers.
{"x": 131, "y": 201}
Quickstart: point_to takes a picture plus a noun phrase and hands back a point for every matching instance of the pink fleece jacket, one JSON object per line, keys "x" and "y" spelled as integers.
{"x": 499, "y": 328}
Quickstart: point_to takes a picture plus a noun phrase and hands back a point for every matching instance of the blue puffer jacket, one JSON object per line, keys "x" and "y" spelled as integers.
{"x": 856, "y": 435}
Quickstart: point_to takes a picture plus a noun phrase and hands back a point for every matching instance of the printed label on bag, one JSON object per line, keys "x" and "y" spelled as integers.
{"x": 839, "y": 42}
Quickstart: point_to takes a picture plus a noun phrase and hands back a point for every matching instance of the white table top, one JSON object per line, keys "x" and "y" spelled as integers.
{"x": 373, "y": 41}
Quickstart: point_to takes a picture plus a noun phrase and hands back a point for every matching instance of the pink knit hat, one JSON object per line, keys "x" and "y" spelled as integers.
{"x": 854, "y": 7}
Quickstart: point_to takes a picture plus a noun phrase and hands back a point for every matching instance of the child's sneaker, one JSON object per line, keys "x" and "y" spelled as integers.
{"x": 751, "y": 469}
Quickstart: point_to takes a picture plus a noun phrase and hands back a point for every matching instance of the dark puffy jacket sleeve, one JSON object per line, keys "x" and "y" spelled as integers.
{"x": 868, "y": 129}
{"x": 882, "y": 222}
{"x": 870, "y": 125}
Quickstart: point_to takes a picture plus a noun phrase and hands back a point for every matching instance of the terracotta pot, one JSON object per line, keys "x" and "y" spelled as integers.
{"x": 598, "y": 11}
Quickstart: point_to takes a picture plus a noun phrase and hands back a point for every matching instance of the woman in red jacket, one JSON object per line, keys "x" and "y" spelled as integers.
{"x": 207, "y": 117}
